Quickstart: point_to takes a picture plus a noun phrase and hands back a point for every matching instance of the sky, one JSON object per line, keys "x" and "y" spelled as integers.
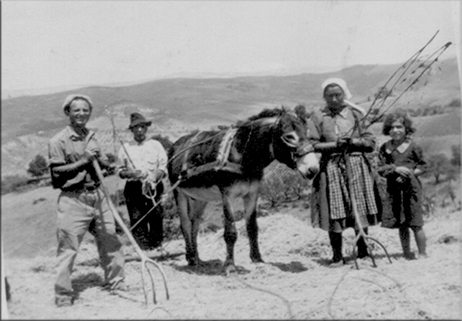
{"x": 81, "y": 43}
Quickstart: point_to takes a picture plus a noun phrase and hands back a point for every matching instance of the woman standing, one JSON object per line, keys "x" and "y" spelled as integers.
{"x": 336, "y": 132}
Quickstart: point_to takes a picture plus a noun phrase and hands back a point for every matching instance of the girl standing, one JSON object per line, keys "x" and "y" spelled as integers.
{"x": 401, "y": 161}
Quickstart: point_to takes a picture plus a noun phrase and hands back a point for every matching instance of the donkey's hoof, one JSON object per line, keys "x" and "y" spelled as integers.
{"x": 229, "y": 268}
{"x": 257, "y": 260}
{"x": 193, "y": 263}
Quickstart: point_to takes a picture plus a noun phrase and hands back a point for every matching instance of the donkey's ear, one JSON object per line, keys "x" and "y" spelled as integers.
{"x": 300, "y": 111}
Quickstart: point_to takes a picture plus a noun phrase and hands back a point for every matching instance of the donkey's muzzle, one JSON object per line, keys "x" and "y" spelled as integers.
{"x": 308, "y": 165}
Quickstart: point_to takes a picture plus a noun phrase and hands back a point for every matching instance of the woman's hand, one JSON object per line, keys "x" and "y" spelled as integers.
{"x": 344, "y": 142}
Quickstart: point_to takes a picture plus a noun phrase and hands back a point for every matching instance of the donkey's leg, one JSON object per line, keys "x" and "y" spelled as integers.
{"x": 186, "y": 226}
{"x": 230, "y": 235}
{"x": 250, "y": 207}
{"x": 197, "y": 209}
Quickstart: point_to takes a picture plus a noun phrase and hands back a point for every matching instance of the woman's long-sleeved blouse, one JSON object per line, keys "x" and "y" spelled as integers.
{"x": 329, "y": 127}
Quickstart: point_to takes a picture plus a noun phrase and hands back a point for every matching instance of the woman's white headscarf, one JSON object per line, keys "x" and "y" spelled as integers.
{"x": 339, "y": 82}
{"x": 342, "y": 84}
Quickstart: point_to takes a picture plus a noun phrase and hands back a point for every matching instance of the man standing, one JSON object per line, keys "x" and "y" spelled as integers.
{"x": 82, "y": 205}
{"x": 143, "y": 163}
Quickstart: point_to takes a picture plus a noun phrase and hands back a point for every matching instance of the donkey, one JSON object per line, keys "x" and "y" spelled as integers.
{"x": 229, "y": 164}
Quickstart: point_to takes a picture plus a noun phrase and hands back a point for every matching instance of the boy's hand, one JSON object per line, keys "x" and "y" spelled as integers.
{"x": 90, "y": 154}
{"x": 403, "y": 171}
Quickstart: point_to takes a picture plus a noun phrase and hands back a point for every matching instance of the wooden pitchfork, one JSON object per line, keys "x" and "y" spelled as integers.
{"x": 357, "y": 219}
{"x": 144, "y": 259}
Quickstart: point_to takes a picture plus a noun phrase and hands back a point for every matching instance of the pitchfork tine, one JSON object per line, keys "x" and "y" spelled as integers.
{"x": 365, "y": 237}
{"x": 144, "y": 259}
{"x": 145, "y": 267}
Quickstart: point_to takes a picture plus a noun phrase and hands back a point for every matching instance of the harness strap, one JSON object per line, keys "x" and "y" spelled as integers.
{"x": 184, "y": 167}
{"x": 225, "y": 147}
{"x": 214, "y": 166}
{"x": 221, "y": 162}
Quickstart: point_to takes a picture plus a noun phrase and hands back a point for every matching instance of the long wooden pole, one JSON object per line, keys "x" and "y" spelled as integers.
{"x": 143, "y": 257}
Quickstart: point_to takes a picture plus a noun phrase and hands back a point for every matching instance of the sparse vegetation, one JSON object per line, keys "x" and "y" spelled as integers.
{"x": 13, "y": 183}
{"x": 38, "y": 166}
{"x": 383, "y": 92}
{"x": 438, "y": 165}
{"x": 281, "y": 185}
{"x": 441, "y": 167}
{"x": 424, "y": 111}
{"x": 454, "y": 103}
{"x": 111, "y": 158}
{"x": 164, "y": 140}
{"x": 455, "y": 160}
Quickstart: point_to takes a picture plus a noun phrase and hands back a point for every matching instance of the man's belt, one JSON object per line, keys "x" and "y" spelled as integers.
{"x": 80, "y": 189}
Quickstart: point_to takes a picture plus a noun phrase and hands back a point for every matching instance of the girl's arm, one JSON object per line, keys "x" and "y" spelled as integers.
{"x": 383, "y": 167}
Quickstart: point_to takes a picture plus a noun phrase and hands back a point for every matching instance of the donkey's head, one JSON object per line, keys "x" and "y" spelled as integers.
{"x": 291, "y": 146}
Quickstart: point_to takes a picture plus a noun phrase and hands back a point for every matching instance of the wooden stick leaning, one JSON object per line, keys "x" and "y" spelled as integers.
{"x": 144, "y": 259}
{"x": 357, "y": 219}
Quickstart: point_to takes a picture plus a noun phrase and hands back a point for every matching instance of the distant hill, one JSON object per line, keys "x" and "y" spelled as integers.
{"x": 179, "y": 105}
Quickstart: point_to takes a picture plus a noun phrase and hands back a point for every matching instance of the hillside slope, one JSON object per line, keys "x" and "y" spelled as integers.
{"x": 294, "y": 283}
{"x": 178, "y": 106}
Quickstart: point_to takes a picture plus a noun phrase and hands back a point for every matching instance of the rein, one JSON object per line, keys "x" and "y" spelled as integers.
{"x": 299, "y": 151}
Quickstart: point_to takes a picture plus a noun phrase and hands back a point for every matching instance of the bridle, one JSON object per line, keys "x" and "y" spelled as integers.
{"x": 296, "y": 150}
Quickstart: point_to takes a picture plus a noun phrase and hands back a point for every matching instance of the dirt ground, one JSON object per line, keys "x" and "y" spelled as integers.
{"x": 294, "y": 283}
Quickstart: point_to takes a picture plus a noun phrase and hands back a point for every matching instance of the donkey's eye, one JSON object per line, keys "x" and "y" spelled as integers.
{"x": 290, "y": 138}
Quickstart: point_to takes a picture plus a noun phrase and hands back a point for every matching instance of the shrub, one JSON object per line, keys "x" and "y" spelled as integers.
{"x": 438, "y": 165}
{"x": 281, "y": 184}
{"x": 455, "y": 160}
{"x": 172, "y": 228}
{"x": 111, "y": 158}
{"x": 454, "y": 103}
{"x": 164, "y": 140}
{"x": 38, "y": 166}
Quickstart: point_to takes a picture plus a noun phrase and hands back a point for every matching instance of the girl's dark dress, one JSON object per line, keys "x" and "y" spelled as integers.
{"x": 405, "y": 197}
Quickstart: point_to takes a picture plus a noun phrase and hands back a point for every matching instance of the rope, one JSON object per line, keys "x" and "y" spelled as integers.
{"x": 156, "y": 204}
{"x": 283, "y": 299}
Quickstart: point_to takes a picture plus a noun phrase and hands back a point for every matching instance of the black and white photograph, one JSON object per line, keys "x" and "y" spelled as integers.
{"x": 243, "y": 160}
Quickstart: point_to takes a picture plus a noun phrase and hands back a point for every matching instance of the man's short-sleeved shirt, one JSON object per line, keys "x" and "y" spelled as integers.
{"x": 68, "y": 147}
